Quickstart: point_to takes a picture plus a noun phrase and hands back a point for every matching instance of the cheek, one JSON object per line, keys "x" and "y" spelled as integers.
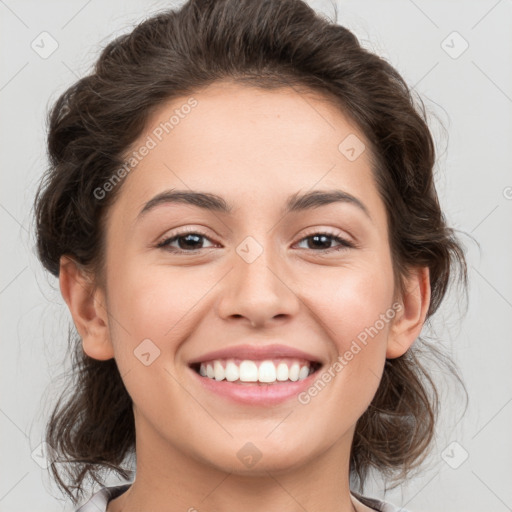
{"x": 156, "y": 303}
{"x": 349, "y": 300}
{"x": 348, "y": 305}
{"x": 151, "y": 312}
{"x": 354, "y": 309}
{"x": 352, "y": 312}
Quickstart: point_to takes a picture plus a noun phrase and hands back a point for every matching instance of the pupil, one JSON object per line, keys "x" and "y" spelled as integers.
{"x": 324, "y": 237}
{"x": 187, "y": 237}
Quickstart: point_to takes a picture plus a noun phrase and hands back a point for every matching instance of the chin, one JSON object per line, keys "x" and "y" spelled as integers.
{"x": 260, "y": 456}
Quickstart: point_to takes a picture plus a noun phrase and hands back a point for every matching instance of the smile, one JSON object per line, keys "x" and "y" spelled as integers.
{"x": 267, "y": 371}
{"x": 264, "y": 383}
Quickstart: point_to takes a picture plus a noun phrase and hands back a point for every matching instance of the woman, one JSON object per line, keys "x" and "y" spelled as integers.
{"x": 242, "y": 215}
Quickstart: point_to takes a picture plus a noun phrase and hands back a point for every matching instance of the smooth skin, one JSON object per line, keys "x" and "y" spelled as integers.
{"x": 254, "y": 148}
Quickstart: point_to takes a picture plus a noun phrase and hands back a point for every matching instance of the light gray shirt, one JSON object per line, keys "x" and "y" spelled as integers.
{"x": 99, "y": 501}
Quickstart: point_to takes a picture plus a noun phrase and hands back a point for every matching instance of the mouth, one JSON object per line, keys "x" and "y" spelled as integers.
{"x": 250, "y": 372}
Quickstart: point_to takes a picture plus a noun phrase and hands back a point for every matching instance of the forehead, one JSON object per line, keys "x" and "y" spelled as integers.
{"x": 244, "y": 142}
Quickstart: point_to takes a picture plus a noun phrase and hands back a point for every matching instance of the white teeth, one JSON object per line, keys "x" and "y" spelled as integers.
{"x": 294, "y": 371}
{"x": 303, "y": 372}
{"x": 267, "y": 372}
{"x": 232, "y": 371}
{"x": 218, "y": 370}
{"x": 282, "y": 372}
{"x": 248, "y": 371}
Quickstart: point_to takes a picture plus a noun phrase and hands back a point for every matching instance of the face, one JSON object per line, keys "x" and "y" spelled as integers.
{"x": 183, "y": 281}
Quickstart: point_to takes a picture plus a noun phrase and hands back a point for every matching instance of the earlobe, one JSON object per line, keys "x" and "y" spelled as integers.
{"x": 407, "y": 325}
{"x": 86, "y": 304}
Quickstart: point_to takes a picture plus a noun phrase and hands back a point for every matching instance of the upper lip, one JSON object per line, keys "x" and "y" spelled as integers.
{"x": 256, "y": 352}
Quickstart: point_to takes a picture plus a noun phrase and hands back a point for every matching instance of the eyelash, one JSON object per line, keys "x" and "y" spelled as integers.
{"x": 164, "y": 244}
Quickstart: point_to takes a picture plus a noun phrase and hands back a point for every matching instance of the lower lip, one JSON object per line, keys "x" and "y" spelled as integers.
{"x": 255, "y": 393}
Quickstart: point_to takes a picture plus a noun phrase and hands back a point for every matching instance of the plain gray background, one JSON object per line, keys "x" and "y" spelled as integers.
{"x": 469, "y": 92}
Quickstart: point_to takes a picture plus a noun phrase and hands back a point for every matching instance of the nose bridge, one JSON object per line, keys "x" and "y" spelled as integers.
{"x": 257, "y": 288}
{"x": 257, "y": 264}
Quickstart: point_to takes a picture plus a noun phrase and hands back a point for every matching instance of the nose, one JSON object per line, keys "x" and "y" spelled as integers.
{"x": 258, "y": 292}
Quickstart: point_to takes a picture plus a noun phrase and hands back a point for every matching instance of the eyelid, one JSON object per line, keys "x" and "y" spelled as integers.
{"x": 334, "y": 232}
{"x": 179, "y": 232}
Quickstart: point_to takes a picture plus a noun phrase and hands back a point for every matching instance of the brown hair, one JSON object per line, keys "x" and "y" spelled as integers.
{"x": 268, "y": 44}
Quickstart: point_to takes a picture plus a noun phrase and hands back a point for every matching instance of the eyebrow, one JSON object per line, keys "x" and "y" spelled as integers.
{"x": 212, "y": 202}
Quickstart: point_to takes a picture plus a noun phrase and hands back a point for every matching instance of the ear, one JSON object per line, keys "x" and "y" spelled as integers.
{"x": 409, "y": 320}
{"x": 86, "y": 302}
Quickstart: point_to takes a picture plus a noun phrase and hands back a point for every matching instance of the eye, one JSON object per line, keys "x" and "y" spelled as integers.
{"x": 324, "y": 239}
{"x": 188, "y": 241}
